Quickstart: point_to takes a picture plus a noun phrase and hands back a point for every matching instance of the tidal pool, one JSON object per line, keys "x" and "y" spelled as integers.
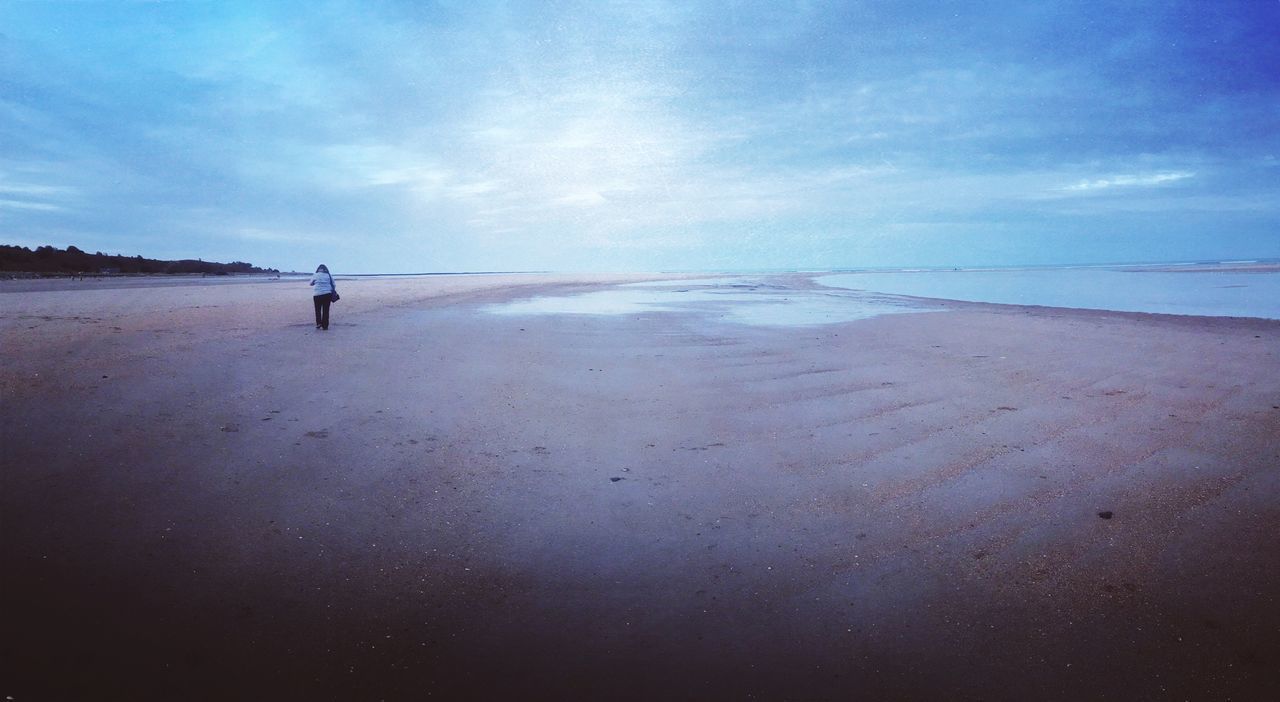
{"x": 738, "y": 300}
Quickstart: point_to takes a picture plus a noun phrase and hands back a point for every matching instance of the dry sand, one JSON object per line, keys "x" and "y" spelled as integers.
{"x": 204, "y": 497}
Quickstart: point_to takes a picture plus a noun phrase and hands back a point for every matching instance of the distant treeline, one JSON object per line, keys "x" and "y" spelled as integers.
{"x": 73, "y": 261}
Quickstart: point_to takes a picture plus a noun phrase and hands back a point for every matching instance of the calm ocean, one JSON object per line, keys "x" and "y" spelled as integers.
{"x": 1210, "y": 293}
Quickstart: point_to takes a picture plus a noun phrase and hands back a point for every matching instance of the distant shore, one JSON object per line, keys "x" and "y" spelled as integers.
{"x": 1208, "y": 268}
{"x": 36, "y": 282}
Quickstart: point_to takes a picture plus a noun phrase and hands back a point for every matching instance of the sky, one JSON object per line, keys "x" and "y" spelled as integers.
{"x": 399, "y": 137}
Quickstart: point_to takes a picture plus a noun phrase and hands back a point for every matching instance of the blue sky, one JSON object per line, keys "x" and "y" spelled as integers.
{"x": 562, "y": 135}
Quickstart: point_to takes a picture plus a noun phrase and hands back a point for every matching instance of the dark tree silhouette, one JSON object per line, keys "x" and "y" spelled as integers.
{"x": 51, "y": 260}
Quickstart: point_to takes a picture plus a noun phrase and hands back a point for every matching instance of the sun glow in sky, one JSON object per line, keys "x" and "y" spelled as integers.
{"x": 449, "y": 136}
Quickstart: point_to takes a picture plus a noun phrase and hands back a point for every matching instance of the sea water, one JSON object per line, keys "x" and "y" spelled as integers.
{"x": 1189, "y": 292}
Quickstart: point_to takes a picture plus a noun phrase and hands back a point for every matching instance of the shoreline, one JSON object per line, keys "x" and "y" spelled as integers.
{"x": 1070, "y": 289}
{"x": 203, "y": 495}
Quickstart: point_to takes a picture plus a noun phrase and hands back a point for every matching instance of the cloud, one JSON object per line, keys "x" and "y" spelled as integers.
{"x": 581, "y": 198}
{"x": 259, "y": 234}
{"x": 1124, "y": 181}
{"x": 21, "y": 194}
{"x": 6, "y": 203}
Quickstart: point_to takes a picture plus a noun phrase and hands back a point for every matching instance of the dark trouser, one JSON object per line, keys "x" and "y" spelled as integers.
{"x": 322, "y": 309}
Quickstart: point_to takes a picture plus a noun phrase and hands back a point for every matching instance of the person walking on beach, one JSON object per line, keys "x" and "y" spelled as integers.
{"x": 326, "y": 292}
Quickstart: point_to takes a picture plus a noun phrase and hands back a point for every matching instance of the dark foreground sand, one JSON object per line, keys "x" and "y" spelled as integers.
{"x": 205, "y": 498}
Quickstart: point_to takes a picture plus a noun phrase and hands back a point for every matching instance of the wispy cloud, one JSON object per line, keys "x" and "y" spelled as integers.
{"x": 23, "y": 195}
{"x": 259, "y": 234}
{"x": 6, "y": 203}
{"x": 1124, "y": 181}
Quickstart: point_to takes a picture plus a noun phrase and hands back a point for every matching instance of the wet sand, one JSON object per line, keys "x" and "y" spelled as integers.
{"x": 204, "y": 497}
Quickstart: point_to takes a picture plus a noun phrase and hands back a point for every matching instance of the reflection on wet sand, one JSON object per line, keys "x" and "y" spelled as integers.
{"x": 737, "y": 300}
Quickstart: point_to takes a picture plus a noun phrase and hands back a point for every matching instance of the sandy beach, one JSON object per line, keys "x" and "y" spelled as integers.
{"x": 206, "y": 498}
